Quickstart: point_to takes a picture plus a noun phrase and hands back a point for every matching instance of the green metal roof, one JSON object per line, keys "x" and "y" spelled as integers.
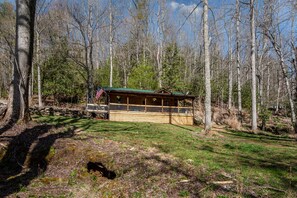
{"x": 128, "y": 90}
{"x": 143, "y": 91}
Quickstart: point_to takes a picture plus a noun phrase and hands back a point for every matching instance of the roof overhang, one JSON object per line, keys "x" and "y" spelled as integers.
{"x": 148, "y": 93}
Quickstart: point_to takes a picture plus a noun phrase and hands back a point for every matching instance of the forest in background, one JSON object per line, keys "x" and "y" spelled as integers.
{"x": 153, "y": 44}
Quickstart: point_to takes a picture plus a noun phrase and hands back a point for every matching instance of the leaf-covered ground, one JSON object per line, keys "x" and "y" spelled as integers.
{"x": 50, "y": 158}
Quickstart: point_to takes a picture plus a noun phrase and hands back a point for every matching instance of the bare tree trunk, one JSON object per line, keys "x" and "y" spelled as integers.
{"x": 294, "y": 64}
{"x": 262, "y": 68}
{"x": 278, "y": 49}
{"x": 253, "y": 62}
{"x": 207, "y": 102}
{"x": 125, "y": 70}
{"x": 268, "y": 87}
{"x": 18, "y": 104}
{"x": 110, "y": 43}
{"x": 38, "y": 69}
{"x": 85, "y": 22}
{"x": 159, "y": 62}
{"x": 144, "y": 48}
{"x": 289, "y": 90}
{"x": 31, "y": 85}
{"x": 261, "y": 83}
{"x": 238, "y": 59}
{"x": 230, "y": 68}
{"x": 125, "y": 76}
{"x": 160, "y": 42}
{"x": 96, "y": 50}
{"x": 137, "y": 51}
{"x": 278, "y": 91}
{"x": 91, "y": 74}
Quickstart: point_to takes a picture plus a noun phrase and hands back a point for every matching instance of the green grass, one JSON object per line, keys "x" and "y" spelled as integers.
{"x": 255, "y": 160}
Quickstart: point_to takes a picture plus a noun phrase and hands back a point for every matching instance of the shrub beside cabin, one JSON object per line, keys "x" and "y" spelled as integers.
{"x": 134, "y": 105}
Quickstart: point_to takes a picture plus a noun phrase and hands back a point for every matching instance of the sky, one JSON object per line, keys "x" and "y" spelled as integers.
{"x": 211, "y": 2}
{"x": 180, "y": 9}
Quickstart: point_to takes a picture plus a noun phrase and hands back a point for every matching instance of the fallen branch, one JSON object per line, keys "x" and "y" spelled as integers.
{"x": 221, "y": 182}
{"x": 185, "y": 181}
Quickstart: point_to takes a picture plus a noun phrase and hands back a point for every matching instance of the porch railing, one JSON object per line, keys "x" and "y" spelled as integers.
{"x": 97, "y": 108}
{"x": 151, "y": 108}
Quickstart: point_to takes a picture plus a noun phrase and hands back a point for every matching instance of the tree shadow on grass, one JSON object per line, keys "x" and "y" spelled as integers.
{"x": 183, "y": 127}
{"x": 88, "y": 124}
{"x": 281, "y": 167}
{"x": 261, "y": 136}
{"x": 183, "y": 178}
{"x": 25, "y": 157}
{"x": 169, "y": 169}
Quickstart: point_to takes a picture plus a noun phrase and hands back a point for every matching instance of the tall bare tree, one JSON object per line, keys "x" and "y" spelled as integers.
{"x": 207, "y": 102}
{"x": 18, "y": 103}
{"x": 86, "y": 20}
{"x": 160, "y": 32}
{"x": 238, "y": 58}
{"x": 40, "y": 25}
{"x": 230, "y": 68}
{"x": 253, "y": 64}
{"x": 110, "y": 43}
{"x": 273, "y": 32}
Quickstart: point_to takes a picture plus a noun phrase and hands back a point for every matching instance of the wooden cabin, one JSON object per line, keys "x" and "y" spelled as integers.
{"x": 134, "y": 105}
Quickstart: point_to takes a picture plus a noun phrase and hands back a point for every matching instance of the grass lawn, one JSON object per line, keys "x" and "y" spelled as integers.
{"x": 259, "y": 165}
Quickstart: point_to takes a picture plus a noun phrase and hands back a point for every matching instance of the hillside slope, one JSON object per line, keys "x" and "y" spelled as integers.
{"x": 70, "y": 157}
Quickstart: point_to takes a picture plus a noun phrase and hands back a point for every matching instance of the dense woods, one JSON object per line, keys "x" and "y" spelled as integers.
{"x": 248, "y": 60}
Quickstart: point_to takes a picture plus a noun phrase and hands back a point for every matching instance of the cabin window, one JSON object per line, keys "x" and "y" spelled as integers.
{"x": 119, "y": 98}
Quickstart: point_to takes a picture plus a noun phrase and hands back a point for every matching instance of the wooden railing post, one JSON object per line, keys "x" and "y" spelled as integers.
{"x": 127, "y": 103}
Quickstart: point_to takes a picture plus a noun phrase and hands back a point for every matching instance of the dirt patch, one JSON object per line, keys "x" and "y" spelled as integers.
{"x": 42, "y": 160}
